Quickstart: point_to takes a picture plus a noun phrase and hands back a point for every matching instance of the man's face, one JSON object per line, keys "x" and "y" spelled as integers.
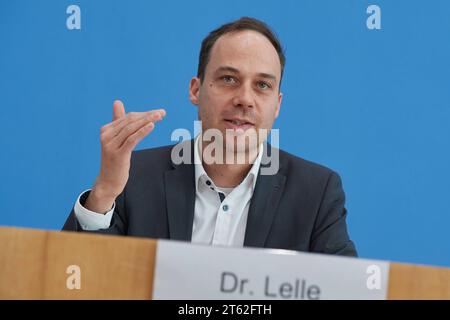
{"x": 240, "y": 89}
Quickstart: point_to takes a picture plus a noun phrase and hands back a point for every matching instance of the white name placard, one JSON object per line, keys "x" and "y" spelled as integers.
{"x": 188, "y": 271}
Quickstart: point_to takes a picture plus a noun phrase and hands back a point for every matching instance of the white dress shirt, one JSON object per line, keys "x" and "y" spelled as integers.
{"x": 220, "y": 214}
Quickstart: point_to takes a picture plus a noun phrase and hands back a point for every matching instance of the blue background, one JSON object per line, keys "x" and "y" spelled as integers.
{"x": 373, "y": 105}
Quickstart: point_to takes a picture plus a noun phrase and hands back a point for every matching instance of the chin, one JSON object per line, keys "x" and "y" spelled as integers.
{"x": 242, "y": 142}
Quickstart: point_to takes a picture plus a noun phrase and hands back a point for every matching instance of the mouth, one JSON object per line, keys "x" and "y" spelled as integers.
{"x": 238, "y": 124}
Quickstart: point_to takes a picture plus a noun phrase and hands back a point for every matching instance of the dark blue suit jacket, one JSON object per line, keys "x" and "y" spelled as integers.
{"x": 301, "y": 207}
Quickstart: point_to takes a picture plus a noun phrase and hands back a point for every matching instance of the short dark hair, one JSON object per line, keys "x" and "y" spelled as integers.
{"x": 244, "y": 23}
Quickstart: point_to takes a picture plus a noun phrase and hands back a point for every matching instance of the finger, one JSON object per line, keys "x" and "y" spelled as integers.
{"x": 118, "y": 110}
{"x": 130, "y": 143}
{"x": 121, "y": 131}
{"x": 131, "y": 128}
{"x": 112, "y": 129}
{"x": 135, "y": 115}
{"x": 162, "y": 112}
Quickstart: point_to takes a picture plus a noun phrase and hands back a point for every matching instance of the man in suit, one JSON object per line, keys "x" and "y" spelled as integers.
{"x": 149, "y": 193}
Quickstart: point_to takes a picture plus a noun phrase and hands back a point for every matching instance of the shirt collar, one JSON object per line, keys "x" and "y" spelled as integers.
{"x": 200, "y": 172}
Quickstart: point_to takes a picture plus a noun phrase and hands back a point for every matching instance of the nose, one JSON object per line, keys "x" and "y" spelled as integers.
{"x": 244, "y": 97}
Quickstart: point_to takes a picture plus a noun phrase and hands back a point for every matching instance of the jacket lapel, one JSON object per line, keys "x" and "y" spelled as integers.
{"x": 180, "y": 199}
{"x": 263, "y": 207}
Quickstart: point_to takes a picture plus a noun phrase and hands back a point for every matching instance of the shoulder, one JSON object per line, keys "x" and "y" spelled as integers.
{"x": 151, "y": 153}
{"x": 301, "y": 169}
{"x": 152, "y": 159}
{"x": 160, "y": 158}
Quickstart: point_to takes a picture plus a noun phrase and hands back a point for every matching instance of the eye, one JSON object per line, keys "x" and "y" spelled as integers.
{"x": 228, "y": 79}
{"x": 263, "y": 85}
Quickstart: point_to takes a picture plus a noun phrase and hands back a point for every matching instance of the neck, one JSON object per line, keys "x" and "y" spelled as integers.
{"x": 229, "y": 175}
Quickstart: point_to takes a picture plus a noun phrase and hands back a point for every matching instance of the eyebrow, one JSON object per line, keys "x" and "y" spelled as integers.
{"x": 234, "y": 70}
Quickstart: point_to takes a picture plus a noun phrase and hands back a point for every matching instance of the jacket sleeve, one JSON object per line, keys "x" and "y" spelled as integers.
{"x": 330, "y": 234}
{"x": 118, "y": 226}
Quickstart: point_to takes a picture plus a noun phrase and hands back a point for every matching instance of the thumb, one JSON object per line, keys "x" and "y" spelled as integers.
{"x": 118, "y": 110}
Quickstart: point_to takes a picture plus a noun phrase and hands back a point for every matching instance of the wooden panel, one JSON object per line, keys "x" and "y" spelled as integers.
{"x": 33, "y": 265}
{"x": 418, "y": 282}
{"x": 21, "y": 263}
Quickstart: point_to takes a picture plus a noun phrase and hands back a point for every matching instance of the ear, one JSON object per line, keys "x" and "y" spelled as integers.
{"x": 277, "y": 110}
{"x": 194, "y": 90}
